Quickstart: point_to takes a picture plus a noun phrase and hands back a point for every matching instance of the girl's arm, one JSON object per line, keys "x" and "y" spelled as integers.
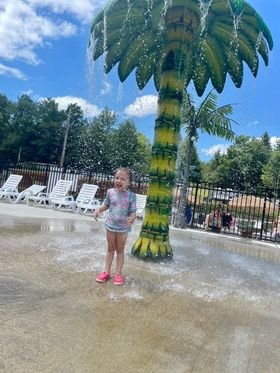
{"x": 132, "y": 209}
{"x": 105, "y": 205}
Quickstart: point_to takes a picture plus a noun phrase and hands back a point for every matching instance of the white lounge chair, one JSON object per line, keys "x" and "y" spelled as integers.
{"x": 86, "y": 198}
{"x": 141, "y": 200}
{"x": 32, "y": 191}
{"x": 10, "y": 188}
{"x": 57, "y": 197}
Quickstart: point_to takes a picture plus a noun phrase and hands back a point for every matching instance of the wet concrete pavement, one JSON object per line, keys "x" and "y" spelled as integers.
{"x": 214, "y": 308}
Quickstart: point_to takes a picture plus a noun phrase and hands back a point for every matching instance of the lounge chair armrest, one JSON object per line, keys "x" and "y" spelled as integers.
{"x": 10, "y": 190}
{"x": 42, "y": 194}
{"x": 86, "y": 200}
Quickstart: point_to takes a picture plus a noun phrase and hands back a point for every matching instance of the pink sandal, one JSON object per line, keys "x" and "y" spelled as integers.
{"x": 103, "y": 277}
{"x": 118, "y": 280}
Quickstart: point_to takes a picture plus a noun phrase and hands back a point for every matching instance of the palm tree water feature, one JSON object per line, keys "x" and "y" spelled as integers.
{"x": 176, "y": 42}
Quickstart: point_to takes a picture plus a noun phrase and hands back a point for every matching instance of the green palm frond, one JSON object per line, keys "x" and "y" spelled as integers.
{"x": 248, "y": 54}
{"x": 200, "y": 77}
{"x": 253, "y": 19}
{"x": 140, "y": 46}
{"x": 208, "y": 117}
{"x": 116, "y": 52}
{"x": 237, "y": 6}
{"x": 208, "y": 104}
{"x": 215, "y": 60}
{"x": 133, "y": 32}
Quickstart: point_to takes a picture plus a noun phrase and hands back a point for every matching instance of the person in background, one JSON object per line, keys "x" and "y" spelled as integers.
{"x": 213, "y": 221}
{"x": 188, "y": 214}
{"x": 226, "y": 219}
{"x": 121, "y": 203}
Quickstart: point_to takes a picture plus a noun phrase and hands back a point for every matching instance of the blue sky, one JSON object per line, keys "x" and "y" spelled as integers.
{"x": 43, "y": 52}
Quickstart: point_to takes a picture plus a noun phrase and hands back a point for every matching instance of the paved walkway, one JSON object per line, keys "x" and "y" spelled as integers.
{"x": 262, "y": 249}
{"x": 213, "y": 309}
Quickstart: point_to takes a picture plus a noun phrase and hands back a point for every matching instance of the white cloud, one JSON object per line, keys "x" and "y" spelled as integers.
{"x": 89, "y": 109}
{"x": 222, "y": 148}
{"x": 22, "y": 30}
{"x": 142, "y": 106}
{"x": 274, "y": 140}
{"x": 27, "y": 25}
{"x": 81, "y": 9}
{"x": 29, "y": 92}
{"x": 253, "y": 124}
{"x": 10, "y": 71}
{"x": 107, "y": 87}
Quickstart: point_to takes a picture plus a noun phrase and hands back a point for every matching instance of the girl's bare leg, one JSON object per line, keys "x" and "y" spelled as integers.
{"x": 120, "y": 244}
{"x": 112, "y": 243}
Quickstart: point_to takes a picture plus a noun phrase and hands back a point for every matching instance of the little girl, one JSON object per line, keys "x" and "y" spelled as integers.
{"x": 121, "y": 203}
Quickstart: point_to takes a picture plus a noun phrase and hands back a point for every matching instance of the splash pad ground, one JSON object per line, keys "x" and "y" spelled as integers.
{"x": 214, "y": 308}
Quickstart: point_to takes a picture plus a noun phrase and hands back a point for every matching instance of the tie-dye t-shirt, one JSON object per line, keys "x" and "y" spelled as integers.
{"x": 121, "y": 205}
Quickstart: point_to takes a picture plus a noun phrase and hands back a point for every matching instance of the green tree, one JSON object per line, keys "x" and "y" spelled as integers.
{"x": 266, "y": 140}
{"x": 108, "y": 144}
{"x": 176, "y": 44}
{"x": 209, "y": 118}
{"x": 271, "y": 171}
{"x": 50, "y": 133}
{"x": 225, "y": 173}
{"x": 7, "y": 109}
{"x": 96, "y": 142}
{"x": 129, "y": 149}
{"x": 210, "y": 169}
{"x": 243, "y": 164}
{"x": 124, "y": 145}
{"x": 195, "y": 173}
{"x": 25, "y": 129}
{"x": 74, "y": 125}
{"x": 143, "y": 156}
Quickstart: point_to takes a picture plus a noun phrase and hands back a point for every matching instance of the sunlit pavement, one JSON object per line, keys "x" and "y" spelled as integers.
{"x": 214, "y": 308}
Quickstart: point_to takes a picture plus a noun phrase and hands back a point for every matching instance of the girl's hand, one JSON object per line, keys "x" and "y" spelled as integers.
{"x": 130, "y": 221}
{"x": 96, "y": 214}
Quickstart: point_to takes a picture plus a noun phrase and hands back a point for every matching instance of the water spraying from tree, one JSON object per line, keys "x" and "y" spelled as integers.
{"x": 176, "y": 42}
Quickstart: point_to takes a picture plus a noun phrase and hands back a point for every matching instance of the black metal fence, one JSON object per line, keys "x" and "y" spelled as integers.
{"x": 253, "y": 211}
{"x": 48, "y": 175}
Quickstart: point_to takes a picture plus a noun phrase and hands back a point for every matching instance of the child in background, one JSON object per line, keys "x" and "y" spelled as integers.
{"x": 121, "y": 203}
{"x": 213, "y": 221}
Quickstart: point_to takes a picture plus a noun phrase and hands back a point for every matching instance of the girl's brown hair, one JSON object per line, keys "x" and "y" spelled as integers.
{"x": 127, "y": 171}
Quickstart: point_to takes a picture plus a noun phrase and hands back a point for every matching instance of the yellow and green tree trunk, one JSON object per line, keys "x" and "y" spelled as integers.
{"x": 153, "y": 242}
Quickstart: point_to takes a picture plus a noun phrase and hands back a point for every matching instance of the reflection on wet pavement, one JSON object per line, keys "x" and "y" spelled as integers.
{"x": 214, "y": 308}
{"x": 32, "y": 226}
{"x": 57, "y": 226}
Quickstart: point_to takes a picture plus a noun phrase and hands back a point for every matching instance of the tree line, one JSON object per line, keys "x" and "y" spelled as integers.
{"x": 34, "y": 131}
{"x": 248, "y": 162}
